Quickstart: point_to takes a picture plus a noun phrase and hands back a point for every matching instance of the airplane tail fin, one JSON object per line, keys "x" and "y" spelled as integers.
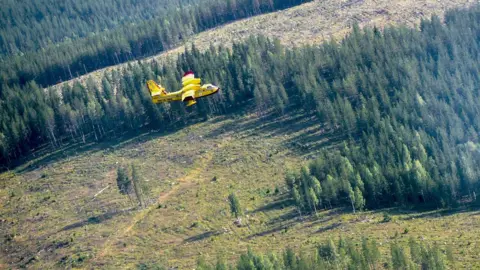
{"x": 155, "y": 89}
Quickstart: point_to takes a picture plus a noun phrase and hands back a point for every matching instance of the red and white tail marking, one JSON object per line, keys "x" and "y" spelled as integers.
{"x": 188, "y": 75}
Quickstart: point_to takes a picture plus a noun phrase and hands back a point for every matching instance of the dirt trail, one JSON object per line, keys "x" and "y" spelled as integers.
{"x": 183, "y": 183}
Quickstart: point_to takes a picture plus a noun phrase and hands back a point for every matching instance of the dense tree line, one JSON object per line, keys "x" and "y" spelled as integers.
{"x": 407, "y": 101}
{"x": 403, "y": 99}
{"x": 344, "y": 254}
{"x": 32, "y": 25}
{"x": 36, "y": 40}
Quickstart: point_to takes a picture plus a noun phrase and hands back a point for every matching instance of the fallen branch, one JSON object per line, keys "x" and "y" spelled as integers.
{"x": 98, "y": 193}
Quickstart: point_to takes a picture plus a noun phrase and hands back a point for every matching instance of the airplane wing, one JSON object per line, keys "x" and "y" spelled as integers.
{"x": 189, "y": 78}
{"x": 190, "y": 86}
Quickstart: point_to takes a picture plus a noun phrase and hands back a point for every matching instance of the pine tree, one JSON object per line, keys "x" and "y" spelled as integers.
{"x": 359, "y": 200}
{"x": 297, "y": 199}
{"x": 123, "y": 183}
{"x": 137, "y": 186}
{"x": 359, "y": 182}
{"x": 399, "y": 258}
{"x": 407, "y": 161}
{"x": 420, "y": 177}
{"x": 330, "y": 190}
{"x": 415, "y": 251}
{"x": 290, "y": 259}
{"x": 313, "y": 198}
{"x": 351, "y": 196}
{"x": 235, "y": 207}
{"x": 317, "y": 187}
{"x": 221, "y": 265}
{"x": 328, "y": 251}
{"x": 290, "y": 179}
{"x": 371, "y": 253}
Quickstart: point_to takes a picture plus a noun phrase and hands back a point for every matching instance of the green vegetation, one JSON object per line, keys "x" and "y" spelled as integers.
{"x": 343, "y": 254}
{"x": 137, "y": 186}
{"x": 235, "y": 207}
{"x": 400, "y": 151}
{"x": 384, "y": 119}
{"x": 382, "y": 92}
{"x": 48, "y": 209}
{"x": 123, "y": 183}
{"x": 126, "y": 185}
{"x": 33, "y": 25}
{"x": 49, "y": 42}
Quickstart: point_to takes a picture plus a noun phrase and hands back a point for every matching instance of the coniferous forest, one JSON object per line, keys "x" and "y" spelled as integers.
{"x": 405, "y": 101}
{"x": 341, "y": 254}
{"x": 52, "y": 41}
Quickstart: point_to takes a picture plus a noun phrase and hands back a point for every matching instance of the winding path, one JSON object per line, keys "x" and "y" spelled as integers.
{"x": 183, "y": 183}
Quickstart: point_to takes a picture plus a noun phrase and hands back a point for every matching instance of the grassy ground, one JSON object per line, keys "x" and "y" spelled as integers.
{"x": 51, "y": 219}
{"x": 311, "y": 23}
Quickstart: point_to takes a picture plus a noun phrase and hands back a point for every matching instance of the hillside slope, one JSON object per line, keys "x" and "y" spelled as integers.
{"x": 63, "y": 209}
{"x": 311, "y": 23}
{"x": 53, "y": 215}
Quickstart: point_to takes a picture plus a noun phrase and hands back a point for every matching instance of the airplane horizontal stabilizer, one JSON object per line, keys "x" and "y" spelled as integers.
{"x": 155, "y": 89}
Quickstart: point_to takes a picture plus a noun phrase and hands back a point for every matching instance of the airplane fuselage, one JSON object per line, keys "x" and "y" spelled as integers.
{"x": 190, "y": 92}
{"x": 187, "y": 94}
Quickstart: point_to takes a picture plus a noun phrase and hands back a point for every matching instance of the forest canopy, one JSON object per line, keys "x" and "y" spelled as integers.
{"x": 50, "y": 41}
{"x": 403, "y": 100}
{"x": 341, "y": 254}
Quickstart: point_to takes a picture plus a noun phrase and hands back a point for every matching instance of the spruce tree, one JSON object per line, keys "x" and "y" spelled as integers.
{"x": 235, "y": 207}
{"x": 399, "y": 258}
{"x": 351, "y": 196}
{"x": 123, "y": 183}
{"x": 137, "y": 186}
{"x": 313, "y": 198}
{"x": 359, "y": 200}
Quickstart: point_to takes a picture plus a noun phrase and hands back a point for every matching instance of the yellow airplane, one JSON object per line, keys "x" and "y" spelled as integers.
{"x": 190, "y": 92}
